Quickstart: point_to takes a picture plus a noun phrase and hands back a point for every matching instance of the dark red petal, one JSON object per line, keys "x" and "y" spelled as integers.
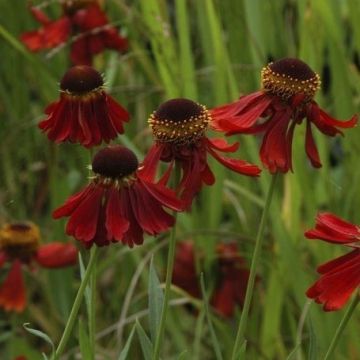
{"x": 150, "y": 163}
{"x": 12, "y": 291}
{"x": 134, "y": 235}
{"x": 328, "y": 120}
{"x": 207, "y": 175}
{"x": 79, "y": 53}
{"x": 83, "y": 221}
{"x": 2, "y": 258}
{"x": 222, "y": 145}
{"x": 90, "y": 18}
{"x": 338, "y": 263}
{"x": 116, "y": 223}
{"x": 72, "y": 203}
{"x": 113, "y": 40}
{"x": 239, "y": 166}
{"x": 274, "y": 149}
{"x": 57, "y": 32}
{"x": 310, "y": 147}
{"x": 223, "y": 299}
{"x": 313, "y": 115}
{"x": 334, "y": 289}
{"x": 33, "y": 40}
{"x": 39, "y": 15}
{"x": 163, "y": 195}
{"x": 56, "y": 255}
{"x": 117, "y": 114}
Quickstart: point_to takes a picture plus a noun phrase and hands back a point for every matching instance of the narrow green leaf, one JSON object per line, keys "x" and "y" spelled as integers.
{"x": 156, "y": 301}
{"x": 183, "y": 355}
{"x": 145, "y": 343}
{"x": 84, "y": 341}
{"x": 87, "y": 293}
{"x": 214, "y": 339}
{"x": 41, "y": 335}
{"x": 124, "y": 352}
{"x": 313, "y": 353}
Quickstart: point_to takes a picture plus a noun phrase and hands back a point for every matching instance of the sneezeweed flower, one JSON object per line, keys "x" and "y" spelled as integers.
{"x": 179, "y": 127}
{"x": 82, "y": 19}
{"x": 119, "y": 204}
{"x": 340, "y": 277}
{"x": 231, "y": 272}
{"x": 20, "y": 246}
{"x": 285, "y": 100}
{"x": 85, "y": 113}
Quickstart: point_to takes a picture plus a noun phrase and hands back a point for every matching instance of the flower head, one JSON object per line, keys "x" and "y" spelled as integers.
{"x": 119, "y": 204}
{"x": 82, "y": 19}
{"x": 179, "y": 127}
{"x": 20, "y": 245}
{"x": 232, "y": 276}
{"x": 85, "y": 113}
{"x": 285, "y": 100}
{"x": 340, "y": 277}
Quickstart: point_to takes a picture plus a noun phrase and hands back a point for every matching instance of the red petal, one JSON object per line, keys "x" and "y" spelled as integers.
{"x": 222, "y": 145}
{"x": 56, "y": 255}
{"x": 79, "y": 53}
{"x": 116, "y": 224}
{"x": 72, "y": 203}
{"x": 12, "y": 291}
{"x": 310, "y": 147}
{"x": 39, "y": 15}
{"x": 150, "y": 162}
{"x": 339, "y": 263}
{"x": 328, "y": 120}
{"x": 113, "y": 40}
{"x": 223, "y": 299}
{"x": 83, "y": 221}
{"x": 90, "y": 18}
{"x": 239, "y": 166}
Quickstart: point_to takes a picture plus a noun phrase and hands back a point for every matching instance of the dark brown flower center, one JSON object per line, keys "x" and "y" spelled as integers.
{"x": 288, "y": 77}
{"x": 19, "y": 240}
{"x": 114, "y": 162}
{"x": 179, "y": 121}
{"x": 81, "y": 79}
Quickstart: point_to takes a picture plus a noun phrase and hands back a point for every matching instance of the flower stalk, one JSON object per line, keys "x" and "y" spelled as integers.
{"x": 253, "y": 269}
{"x": 76, "y": 305}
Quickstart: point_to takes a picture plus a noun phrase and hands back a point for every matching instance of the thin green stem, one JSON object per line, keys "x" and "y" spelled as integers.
{"x": 76, "y": 305}
{"x": 169, "y": 271}
{"x": 253, "y": 269}
{"x": 92, "y": 312}
{"x": 342, "y": 326}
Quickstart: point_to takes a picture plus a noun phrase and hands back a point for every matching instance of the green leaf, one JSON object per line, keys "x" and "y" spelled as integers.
{"x": 41, "y": 335}
{"x": 124, "y": 352}
{"x": 145, "y": 343}
{"x": 313, "y": 354}
{"x": 156, "y": 301}
{"x": 183, "y": 355}
{"x": 87, "y": 292}
{"x": 84, "y": 341}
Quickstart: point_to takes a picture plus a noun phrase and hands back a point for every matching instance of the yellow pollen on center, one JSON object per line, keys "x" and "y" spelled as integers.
{"x": 286, "y": 86}
{"x": 185, "y": 131}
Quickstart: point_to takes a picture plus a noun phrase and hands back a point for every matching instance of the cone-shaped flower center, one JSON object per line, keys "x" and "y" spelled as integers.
{"x": 179, "y": 121}
{"x": 288, "y": 77}
{"x": 20, "y": 239}
{"x": 114, "y": 163}
{"x": 81, "y": 80}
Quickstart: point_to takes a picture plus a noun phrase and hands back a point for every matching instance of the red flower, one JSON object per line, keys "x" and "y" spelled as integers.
{"x": 286, "y": 99}
{"x": 20, "y": 245}
{"x": 232, "y": 276}
{"x": 339, "y": 277}
{"x": 86, "y": 21}
{"x": 179, "y": 128}
{"x": 119, "y": 204}
{"x": 84, "y": 113}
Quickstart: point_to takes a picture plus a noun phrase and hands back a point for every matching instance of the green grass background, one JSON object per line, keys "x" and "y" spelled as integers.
{"x": 209, "y": 51}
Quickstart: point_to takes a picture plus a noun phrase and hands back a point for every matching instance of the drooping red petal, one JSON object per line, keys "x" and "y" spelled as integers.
{"x": 90, "y": 18}
{"x": 331, "y": 228}
{"x": 114, "y": 41}
{"x": 72, "y": 203}
{"x": 39, "y": 15}
{"x": 151, "y": 161}
{"x": 2, "y": 258}
{"x": 313, "y": 115}
{"x": 336, "y": 264}
{"x": 239, "y": 166}
{"x": 274, "y": 149}
{"x": 80, "y": 53}
{"x": 116, "y": 223}
{"x": 56, "y": 254}
{"x": 310, "y": 147}
{"x": 333, "y": 289}
{"x": 12, "y": 291}
{"x": 328, "y": 120}
{"x": 222, "y": 145}
{"x": 83, "y": 221}
{"x": 163, "y": 195}
{"x": 223, "y": 299}
{"x": 117, "y": 114}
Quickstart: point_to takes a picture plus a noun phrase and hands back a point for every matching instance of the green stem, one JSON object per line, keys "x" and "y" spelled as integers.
{"x": 342, "y": 326}
{"x": 76, "y": 305}
{"x": 92, "y": 312}
{"x": 169, "y": 271}
{"x": 253, "y": 269}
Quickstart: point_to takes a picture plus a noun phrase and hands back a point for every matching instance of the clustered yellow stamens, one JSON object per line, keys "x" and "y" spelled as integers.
{"x": 118, "y": 183}
{"x": 19, "y": 240}
{"x": 286, "y": 86}
{"x": 180, "y": 132}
